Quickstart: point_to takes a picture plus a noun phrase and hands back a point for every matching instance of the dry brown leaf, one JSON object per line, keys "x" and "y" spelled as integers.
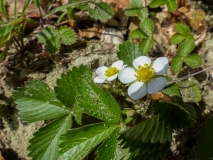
{"x": 91, "y": 32}
{"x": 10, "y": 5}
{"x": 1, "y": 157}
{"x": 182, "y": 3}
{"x": 200, "y": 35}
{"x": 160, "y": 96}
{"x": 119, "y": 7}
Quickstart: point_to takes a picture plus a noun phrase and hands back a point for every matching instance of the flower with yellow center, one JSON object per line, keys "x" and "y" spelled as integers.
{"x": 145, "y": 77}
{"x": 109, "y": 74}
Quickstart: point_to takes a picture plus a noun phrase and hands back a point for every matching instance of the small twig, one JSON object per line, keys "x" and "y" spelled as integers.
{"x": 186, "y": 77}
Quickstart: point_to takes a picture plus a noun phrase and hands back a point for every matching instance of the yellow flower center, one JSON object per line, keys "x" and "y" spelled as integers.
{"x": 111, "y": 71}
{"x": 144, "y": 73}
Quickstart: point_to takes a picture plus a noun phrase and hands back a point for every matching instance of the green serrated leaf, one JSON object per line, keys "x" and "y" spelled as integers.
{"x": 66, "y": 86}
{"x": 139, "y": 150}
{"x": 190, "y": 91}
{"x": 147, "y": 27}
{"x": 67, "y": 35}
{"x": 128, "y": 52}
{"x": 176, "y": 64}
{"x": 102, "y": 11}
{"x": 44, "y": 144}
{"x": 156, "y": 3}
{"x": 134, "y": 8}
{"x": 149, "y": 130}
{"x": 185, "y": 48}
{"x": 137, "y": 33}
{"x": 96, "y": 102}
{"x": 204, "y": 149}
{"x": 177, "y": 38}
{"x": 49, "y": 36}
{"x": 172, "y": 90}
{"x": 182, "y": 28}
{"x": 77, "y": 143}
{"x": 78, "y": 111}
{"x": 143, "y": 13}
{"x": 146, "y": 45}
{"x": 111, "y": 144}
{"x": 190, "y": 37}
{"x": 171, "y": 5}
{"x": 38, "y": 102}
{"x": 173, "y": 114}
{"x": 193, "y": 60}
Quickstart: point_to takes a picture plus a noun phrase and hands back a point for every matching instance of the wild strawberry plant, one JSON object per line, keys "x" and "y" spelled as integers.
{"x": 126, "y": 122}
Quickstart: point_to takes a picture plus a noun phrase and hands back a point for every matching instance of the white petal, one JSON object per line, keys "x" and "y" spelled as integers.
{"x": 161, "y": 65}
{"x": 112, "y": 77}
{"x": 140, "y": 61}
{"x": 137, "y": 90}
{"x": 118, "y": 64}
{"x": 156, "y": 84}
{"x": 99, "y": 79}
{"x": 101, "y": 71}
{"x": 126, "y": 75}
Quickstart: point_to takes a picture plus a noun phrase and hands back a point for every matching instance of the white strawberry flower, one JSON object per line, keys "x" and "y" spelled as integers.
{"x": 109, "y": 74}
{"x": 145, "y": 77}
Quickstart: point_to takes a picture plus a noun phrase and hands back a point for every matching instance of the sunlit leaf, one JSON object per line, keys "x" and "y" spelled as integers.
{"x": 111, "y": 144}
{"x": 77, "y": 143}
{"x": 128, "y": 52}
{"x": 44, "y": 144}
{"x": 38, "y": 102}
{"x": 190, "y": 91}
{"x": 193, "y": 60}
{"x": 102, "y": 11}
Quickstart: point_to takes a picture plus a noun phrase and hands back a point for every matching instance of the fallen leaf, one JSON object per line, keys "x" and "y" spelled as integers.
{"x": 90, "y": 32}
{"x": 197, "y": 19}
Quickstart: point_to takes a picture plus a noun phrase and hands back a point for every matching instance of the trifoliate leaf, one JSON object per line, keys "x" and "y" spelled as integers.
{"x": 176, "y": 64}
{"x": 38, "y": 102}
{"x": 170, "y": 3}
{"x": 66, "y": 86}
{"x": 204, "y": 149}
{"x": 108, "y": 148}
{"x": 173, "y": 115}
{"x": 185, "y": 48}
{"x": 49, "y": 36}
{"x": 44, "y": 144}
{"x": 193, "y": 60}
{"x": 182, "y": 28}
{"x": 137, "y": 33}
{"x": 146, "y": 45}
{"x": 96, "y": 102}
{"x": 190, "y": 91}
{"x": 147, "y": 27}
{"x": 102, "y": 11}
{"x": 77, "y": 143}
{"x": 128, "y": 52}
{"x": 177, "y": 38}
{"x": 150, "y": 130}
{"x": 67, "y": 35}
{"x": 172, "y": 90}
{"x": 134, "y": 8}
